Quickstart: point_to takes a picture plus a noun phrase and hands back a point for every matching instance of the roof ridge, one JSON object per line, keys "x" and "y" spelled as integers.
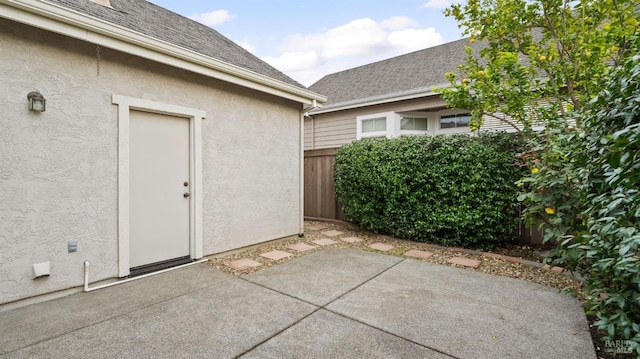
{"x": 398, "y": 57}
{"x": 399, "y": 74}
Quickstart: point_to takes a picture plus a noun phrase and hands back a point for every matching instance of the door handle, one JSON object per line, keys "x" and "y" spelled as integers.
{"x": 186, "y": 195}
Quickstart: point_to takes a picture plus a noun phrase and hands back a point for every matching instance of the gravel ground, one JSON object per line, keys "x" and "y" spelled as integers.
{"x": 441, "y": 255}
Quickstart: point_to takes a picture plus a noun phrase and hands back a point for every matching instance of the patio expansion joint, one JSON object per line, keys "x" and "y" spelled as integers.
{"x": 324, "y": 306}
{"x": 115, "y": 316}
{"x": 374, "y": 327}
{"x": 280, "y": 331}
{"x": 392, "y": 334}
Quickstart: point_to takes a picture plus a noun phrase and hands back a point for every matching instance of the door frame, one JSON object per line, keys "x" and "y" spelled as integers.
{"x": 125, "y": 105}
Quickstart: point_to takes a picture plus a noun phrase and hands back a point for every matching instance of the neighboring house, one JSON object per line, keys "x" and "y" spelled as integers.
{"x": 389, "y": 98}
{"x": 162, "y": 141}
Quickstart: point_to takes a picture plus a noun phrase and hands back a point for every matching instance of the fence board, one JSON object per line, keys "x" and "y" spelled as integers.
{"x": 319, "y": 192}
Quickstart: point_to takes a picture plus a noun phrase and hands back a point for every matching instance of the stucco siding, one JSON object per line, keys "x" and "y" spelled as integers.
{"x": 59, "y": 168}
{"x": 251, "y": 172}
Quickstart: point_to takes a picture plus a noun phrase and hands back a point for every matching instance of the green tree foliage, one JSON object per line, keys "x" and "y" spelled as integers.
{"x": 608, "y": 250}
{"x": 455, "y": 190}
{"x": 542, "y": 65}
{"x": 544, "y": 50}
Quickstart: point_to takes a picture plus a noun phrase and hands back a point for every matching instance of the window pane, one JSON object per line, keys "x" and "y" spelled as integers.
{"x": 413, "y": 124}
{"x": 420, "y": 124}
{"x": 406, "y": 123}
{"x": 451, "y": 121}
{"x": 380, "y": 124}
{"x": 367, "y": 126}
{"x": 374, "y": 124}
{"x": 463, "y": 121}
{"x": 447, "y": 122}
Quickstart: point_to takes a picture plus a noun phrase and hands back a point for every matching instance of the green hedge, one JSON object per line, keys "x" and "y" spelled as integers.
{"x": 606, "y": 254}
{"x": 453, "y": 190}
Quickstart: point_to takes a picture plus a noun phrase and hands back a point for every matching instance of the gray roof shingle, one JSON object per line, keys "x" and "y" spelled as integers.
{"x": 162, "y": 24}
{"x": 421, "y": 69}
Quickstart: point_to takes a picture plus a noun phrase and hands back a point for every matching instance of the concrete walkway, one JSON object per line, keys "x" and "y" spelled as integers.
{"x": 335, "y": 303}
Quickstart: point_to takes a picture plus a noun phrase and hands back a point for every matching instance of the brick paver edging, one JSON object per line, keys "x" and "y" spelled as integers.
{"x": 476, "y": 252}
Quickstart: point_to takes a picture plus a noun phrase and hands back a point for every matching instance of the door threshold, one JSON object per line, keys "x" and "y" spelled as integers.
{"x": 157, "y": 266}
{"x": 86, "y": 275}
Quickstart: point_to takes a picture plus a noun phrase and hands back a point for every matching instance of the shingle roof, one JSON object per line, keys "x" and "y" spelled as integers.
{"x": 157, "y": 22}
{"x": 419, "y": 70}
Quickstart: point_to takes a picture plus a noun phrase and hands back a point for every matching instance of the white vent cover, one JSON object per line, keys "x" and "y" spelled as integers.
{"x": 41, "y": 269}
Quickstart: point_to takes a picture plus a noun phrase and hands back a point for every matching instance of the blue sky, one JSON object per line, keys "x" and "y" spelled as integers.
{"x": 307, "y": 39}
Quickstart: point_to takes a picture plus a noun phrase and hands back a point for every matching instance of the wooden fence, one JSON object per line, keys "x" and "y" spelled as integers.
{"x": 320, "y": 196}
{"x": 529, "y": 235}
{"x": 319, "y": 193}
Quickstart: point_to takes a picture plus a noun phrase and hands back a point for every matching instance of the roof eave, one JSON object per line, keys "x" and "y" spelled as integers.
{"x": 378, "y": 100}
{"x": 58, "y": 19}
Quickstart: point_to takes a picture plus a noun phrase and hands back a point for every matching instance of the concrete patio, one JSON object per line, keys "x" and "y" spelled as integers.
{"x": 335, "y": 303}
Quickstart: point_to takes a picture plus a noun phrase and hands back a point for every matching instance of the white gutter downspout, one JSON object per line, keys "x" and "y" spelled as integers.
{"x": 304, "y": 113}
{"x": 86, "y": 275}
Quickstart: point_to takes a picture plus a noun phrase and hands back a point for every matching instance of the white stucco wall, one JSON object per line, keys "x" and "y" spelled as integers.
{"x": 58, "y": 169}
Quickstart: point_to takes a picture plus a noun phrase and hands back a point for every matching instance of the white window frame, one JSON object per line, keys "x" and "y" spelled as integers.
{"x": 392, "y": 123}
{"x": 465, "y": 129}
{"x": 424, "y": 115}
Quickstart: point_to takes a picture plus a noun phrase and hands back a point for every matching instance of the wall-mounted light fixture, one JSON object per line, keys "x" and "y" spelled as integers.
{"x": 37, "y": 102}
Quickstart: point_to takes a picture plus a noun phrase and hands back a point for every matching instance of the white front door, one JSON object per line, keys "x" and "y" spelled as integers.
{"x": 159, "y": 188}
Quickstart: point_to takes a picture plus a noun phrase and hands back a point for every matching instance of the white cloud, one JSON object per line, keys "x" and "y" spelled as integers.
{"x": 307, "y": 57}
{"x": 357, "y": 38}
{"x": 294, "y": 61}
{"x": 415, "y": 39}
{"x": 398, "y": 23}
{"x": 440, "y": 4}
{"x": 212, "y": 18}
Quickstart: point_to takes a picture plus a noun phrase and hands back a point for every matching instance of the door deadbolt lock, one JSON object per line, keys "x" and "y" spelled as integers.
{"x": 186, "y": 195}
{"x": 186, "y": 184}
